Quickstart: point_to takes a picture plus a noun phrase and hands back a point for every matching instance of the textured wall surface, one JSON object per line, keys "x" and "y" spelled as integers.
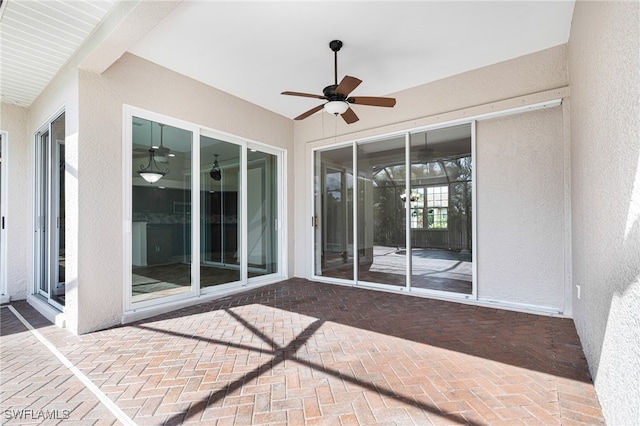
{"x": 140, "y": 83}
{"x": 14, "y": 121}
{"x": 604, "y": 74}
{"x": 520, "y": 209}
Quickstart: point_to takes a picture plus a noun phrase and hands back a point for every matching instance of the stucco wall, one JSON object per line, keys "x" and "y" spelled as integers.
{"x": 14, "y": 120}
{"x": 520, "y": 209}
{"x": 140, "y": 83}
{"x": 604, "y": 73}
{"x": 428, "y": 104}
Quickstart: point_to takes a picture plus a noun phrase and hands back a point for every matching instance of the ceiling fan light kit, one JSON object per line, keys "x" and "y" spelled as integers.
{"x": 337, "y": 95}
{"x": 336, "y": 107}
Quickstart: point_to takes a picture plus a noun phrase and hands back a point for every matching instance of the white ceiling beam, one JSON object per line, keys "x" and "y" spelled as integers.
{"x": 127, "y": 23}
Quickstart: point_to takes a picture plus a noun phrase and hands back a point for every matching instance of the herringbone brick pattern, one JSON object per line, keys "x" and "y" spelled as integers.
{"x": 36, "y": 388}
{"x": 300, "y": 352}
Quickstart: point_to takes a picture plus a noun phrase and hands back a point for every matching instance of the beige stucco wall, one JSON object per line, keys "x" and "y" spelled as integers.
{"x": 521, "y": 209}
{"x": 142, "y": 84}
{"x": 479, "y": 90}
{"x": 604, "y": 68}
{"x": 16, "y": 160}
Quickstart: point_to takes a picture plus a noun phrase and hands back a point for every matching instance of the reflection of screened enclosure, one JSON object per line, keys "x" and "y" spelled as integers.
{"x": 415, "y": 189}
{"x": 440, "y": 203}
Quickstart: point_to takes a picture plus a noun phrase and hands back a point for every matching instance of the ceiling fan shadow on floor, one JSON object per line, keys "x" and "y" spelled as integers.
{"x": 337, "y": 95}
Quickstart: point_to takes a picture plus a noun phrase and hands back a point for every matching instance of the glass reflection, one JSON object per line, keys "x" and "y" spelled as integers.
{"x": 262, "y": 213}
{"x": 381, "y": 217}
{"x": 161, "y": 211}
{"x": 219, "y": 212}
{"x": 441, "y": 243}
{"x": 333, "y": 219}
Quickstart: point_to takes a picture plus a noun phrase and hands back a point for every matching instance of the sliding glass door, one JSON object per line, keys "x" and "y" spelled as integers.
{"x": 161, "y": 210}
{"x": 381, "y": 184}
{"x": 413, "y": 218}
{"x": 49, "y": 266}
{"x": 205, "y": 211}
{"x": 263, "y": 221}
{"x": 333, "y": 217}
{"x": 441, "y": 185}
{"x": 220, "y": 196}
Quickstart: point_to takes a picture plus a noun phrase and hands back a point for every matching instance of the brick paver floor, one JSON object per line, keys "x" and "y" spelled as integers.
{"x": 301, "y": 352}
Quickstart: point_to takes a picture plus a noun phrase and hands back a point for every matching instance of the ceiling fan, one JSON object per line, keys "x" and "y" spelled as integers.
{"x": 162, "y": 153}
{"x": 428, "y": 153}
{"x": 338, "y": 97}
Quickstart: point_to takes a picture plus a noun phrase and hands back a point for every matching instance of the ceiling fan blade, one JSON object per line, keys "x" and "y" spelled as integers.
{"x": 373, "y": 101}
{"x": 163, "y": 151}
{"x": 308, "y": 113}
{"x": 347, "y": 85}
{"x": 349, "y": 116}
{"x": 305, "y": 95}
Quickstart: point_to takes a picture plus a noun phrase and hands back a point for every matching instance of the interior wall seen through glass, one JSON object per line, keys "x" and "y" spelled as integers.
{"x": 161, "y": 210}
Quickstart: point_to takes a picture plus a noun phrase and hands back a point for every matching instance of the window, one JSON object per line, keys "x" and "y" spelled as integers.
{"x": 435, "y": 204}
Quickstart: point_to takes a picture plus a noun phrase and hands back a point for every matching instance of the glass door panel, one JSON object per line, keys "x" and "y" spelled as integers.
{"x": 161, "y": 210}
{"x": 333, "y": 218}
{"x": 59, "y": 210}
{"x": 381, "y": 214}
{"x": 219, "y": 212}
{"x": 441, "y": 182}
{"x": 42, "y": 213}
{"x": 50, "y": 212}
{"x": 262, "y": 213}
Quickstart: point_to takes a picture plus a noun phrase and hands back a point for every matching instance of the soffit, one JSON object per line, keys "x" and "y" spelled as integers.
{"x": 37, "y": 38}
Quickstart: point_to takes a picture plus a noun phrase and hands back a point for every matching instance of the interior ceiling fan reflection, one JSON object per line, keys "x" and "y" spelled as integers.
{"x": 428, "y": 154}
{"x": 215, "y": 172}
{"x": 162, "y": 153}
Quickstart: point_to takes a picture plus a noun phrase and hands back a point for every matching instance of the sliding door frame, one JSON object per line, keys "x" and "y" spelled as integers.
{"x": 46, "y": 227}
{"x": 197, "y": 293}
{"x": 4, "y": 196}
{"x": 386, "y": 287}
{"x": 129, "y": 113}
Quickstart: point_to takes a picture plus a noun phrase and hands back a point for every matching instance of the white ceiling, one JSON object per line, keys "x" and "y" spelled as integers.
{"x": 255, "y": 50}
{"x": 37, "y": 38}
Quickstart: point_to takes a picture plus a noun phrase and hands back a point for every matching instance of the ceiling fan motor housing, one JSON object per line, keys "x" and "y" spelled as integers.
{"x": 330, "y": 93}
